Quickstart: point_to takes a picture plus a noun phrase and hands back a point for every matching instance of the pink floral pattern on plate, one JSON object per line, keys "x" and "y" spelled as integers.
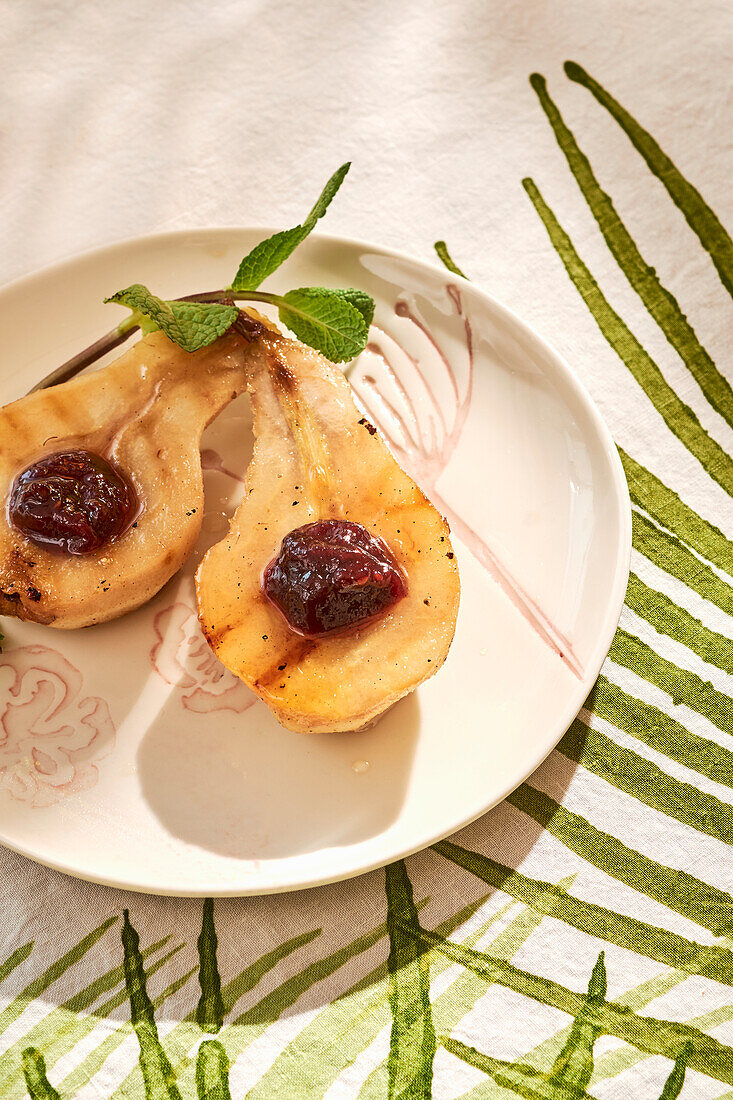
{"x": 181, "y": 656}
{"x": 51, "y": 734}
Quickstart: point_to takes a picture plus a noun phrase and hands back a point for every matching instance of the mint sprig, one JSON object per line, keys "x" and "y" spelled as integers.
{"x": 360, "y": 300}
{"x": 191, "y": 325}
{"x": 269, "y": 254}
{"x": 326, "y": 320}
{"x": 334, "y": 321}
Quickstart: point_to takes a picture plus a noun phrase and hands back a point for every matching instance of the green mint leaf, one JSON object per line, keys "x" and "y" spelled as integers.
{"x": 325, "y": 320}
{"x": 361, "y": 300}
{"x": 445, "y": 257}
{"x": 191, "y": 325}
{"x": 323, "y": 201}
{"x": 267, "y": 256}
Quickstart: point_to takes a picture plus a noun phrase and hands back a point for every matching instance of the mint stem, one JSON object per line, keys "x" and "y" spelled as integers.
{"x": 83, "y": 359}
{"x": 126, "y": 328}
{"x": 117, "y": 336}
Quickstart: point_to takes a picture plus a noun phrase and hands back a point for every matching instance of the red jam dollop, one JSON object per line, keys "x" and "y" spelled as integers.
{"x": 73, "y": 500}
{"x": 332, "y": 575}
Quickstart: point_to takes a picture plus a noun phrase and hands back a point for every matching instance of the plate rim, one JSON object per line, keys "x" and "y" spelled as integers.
{"x": 613, "y": 606}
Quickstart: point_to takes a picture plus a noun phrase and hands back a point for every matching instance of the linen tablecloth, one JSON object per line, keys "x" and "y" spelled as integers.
{"x": 576, "y": 940}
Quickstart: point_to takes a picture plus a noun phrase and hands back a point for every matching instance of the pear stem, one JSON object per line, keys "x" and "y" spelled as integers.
{"x": 127, "y": 328}
{"x": 84, "y": 358}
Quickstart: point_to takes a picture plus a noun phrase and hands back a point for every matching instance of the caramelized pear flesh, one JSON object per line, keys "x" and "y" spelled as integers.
{"x": 315, "y": 460}
{"x": 141, "y": 417}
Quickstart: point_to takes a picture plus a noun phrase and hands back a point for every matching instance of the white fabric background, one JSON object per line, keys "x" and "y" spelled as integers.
{"x": 122, "y": 119}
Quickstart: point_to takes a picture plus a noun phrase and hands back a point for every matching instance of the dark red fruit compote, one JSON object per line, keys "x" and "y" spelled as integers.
{"x": 333, "y": 575}
{"x": 72, "y": 500}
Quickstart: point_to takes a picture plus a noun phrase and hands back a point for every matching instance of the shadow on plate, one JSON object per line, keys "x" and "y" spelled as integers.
{"x": 243, "y": 787}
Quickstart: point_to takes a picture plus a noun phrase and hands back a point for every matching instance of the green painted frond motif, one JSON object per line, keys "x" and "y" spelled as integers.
{"x": 671, "y": 537}
{"x": 40, "y": 984}
{"x": 212, "y": 1072}
{"x": 657, "y": 730}
{"x": 677, "y": 623}
{"x": 706, "y": 905}
{"x": 675, "y": 1081}
{"x": 34, "y": 1068}
{"x": 210, "y": 1009}
{"x": 412, "y": 1042}
{"x": 340, "y": 1032}
{"x": 445, "y": 258}
{"x": 544, "y": 1054}
{"x": 179, "y": 1041}
{"x": 59, "y": 1032}
{"x": 666, "y": 947}
{"x": 652, "y": 1035}
{"x": 669, "y": 553}
{"x": 573, "y": 1067}
{"x": 659, "y": 302}
{"x": 96, "y": 1059}
{"x": 15, "y": 959}
{"x": 702, "y": 220}
{"x": 667, "y": 509}
{"x": 679, "y": 417}
{"x": 646, "y": 782}
{"x": 156, "y": 1069}
{"x": 682, "y": 686}
{"x": 513, "y": 1076}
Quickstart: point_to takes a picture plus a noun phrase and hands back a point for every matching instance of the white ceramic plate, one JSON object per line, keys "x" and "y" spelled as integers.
{"x": 127, "y": 758}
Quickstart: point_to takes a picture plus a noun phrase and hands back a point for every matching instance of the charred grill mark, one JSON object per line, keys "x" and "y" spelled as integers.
{"x": 16, "y": 581}
{"x": 308, "y": 436}
{"x": 292, "y": 655}
{"x": 11, "y": 604}
{"x": 215, "y": 637}
{"x": 282, "y": 377}
{"x": 288, "y": 656}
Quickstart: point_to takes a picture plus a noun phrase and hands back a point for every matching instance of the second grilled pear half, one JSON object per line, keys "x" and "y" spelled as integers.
{"x": 102, "y": 480}
{"x": 336, "y": 590}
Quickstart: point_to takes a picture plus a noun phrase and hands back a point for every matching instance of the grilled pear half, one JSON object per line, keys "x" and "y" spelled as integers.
{"x": 315, "y": 458}
{"x": 144, "y": 413}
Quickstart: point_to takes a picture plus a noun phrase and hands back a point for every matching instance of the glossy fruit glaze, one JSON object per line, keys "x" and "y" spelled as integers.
{"x": 331, "y": 576}
{"x": 74, "y": 501}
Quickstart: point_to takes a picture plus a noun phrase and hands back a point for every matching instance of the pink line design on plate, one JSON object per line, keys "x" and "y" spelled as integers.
{"x": 51, "y": 735}
{"x": 181, "y": 656}
{"x": 425, "y": 443}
